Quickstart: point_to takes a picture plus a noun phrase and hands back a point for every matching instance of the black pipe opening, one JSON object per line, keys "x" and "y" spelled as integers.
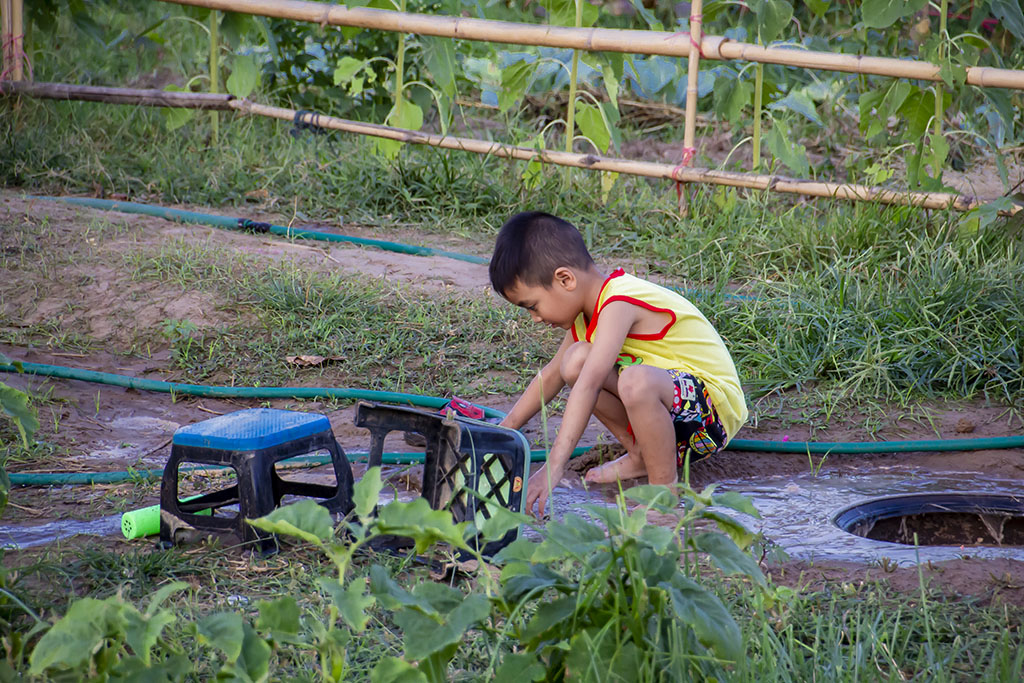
{"x": 951, "y": 519}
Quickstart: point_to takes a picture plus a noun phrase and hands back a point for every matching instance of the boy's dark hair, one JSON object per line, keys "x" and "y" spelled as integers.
{"x": 531, "y": 246}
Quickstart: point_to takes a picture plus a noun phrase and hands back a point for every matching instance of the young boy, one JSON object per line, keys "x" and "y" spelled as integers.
{"x": 639, "y": 357}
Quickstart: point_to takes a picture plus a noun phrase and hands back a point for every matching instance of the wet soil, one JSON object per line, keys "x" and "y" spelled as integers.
{"x": 93, "y": 427}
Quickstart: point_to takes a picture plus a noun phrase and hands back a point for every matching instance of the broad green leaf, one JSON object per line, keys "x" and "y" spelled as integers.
{"x": 707, "y": 616}
{"x": 792, "y": 154}
{"x": 918, "y": 110}
{"x": 162, "y": 594}
{"x": 515, "y": 79}
{"x": 235, "y": 25}
{"x": 254, "y": 659}
{"x": 244, "y": 78}
{"x": 393, "y": 596}
{"x": 563, "y": 12}
{"x": 424, "y": 634}
{"x": 539, "y": 578}
{"x": 519, "y": 666}
{"x": 175, "y": 117}
{"x": 224, "y": 631}
{"x": 395, "y": 670}
{"x": 366, "y": 493}
{"x": 416, "y": 520}
{"x": 1010, "y": 15}
{"x": 347, "y": 68}
{"x": 736, "y": 501}
{"x": 306, "y": 519}
{"x": 740, "y": 535}
{"x": 592, "y": 125}
{"x": 142, "y": 633}
{"x": 611, "y": 80}
{"x": 797, "y": 101}
{"x": 647, "y": 15}
{"x": 572, "y": 537}
{"x": 772, "y": 17}
{"x": 71, "y": 641}
{"x": 521, "y": 549}
{"x": 608, "y": 179}
{"x": 15, "y": 404}
{"x": 405, "y": 114}
{"x": 938, "y": 150}
{"x": 352, "y": 603}
{"x": 894, "y": 98}
{"x": 983, "y": 216}
{"x": 501, "y": 521}
{"x": 281, "y": 615}
{"x": 439, "y": 54}
{"x": 883, "y": 13}
{"x": 871, "y": 121}
{"x": 549, "y": 615}
{"x": 739, "y": 96}
{"x": 819, "y": 7}
{"x": 727, "y": 556}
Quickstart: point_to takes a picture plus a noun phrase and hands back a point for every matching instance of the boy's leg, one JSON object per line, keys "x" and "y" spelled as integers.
{"x": 646, "y": 394}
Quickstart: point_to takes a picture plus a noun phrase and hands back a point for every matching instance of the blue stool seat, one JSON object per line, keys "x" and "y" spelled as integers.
{"x": 251, "y": 442}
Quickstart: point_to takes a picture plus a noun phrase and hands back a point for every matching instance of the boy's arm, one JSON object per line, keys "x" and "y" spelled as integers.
{"x": 616, "y": 320}
{"x": 549, "y": 379}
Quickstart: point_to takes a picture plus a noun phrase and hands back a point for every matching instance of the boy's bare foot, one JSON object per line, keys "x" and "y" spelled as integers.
{"x": 628, "y": 466}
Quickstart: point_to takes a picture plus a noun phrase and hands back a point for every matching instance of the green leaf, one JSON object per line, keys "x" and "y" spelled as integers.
{"x": 352, "y": 603}
{"x": 573, "y": 536}
{"x": 739, "y": 96}
{"x": 162, "y": 594}
{"x": 346, "y": 69}
{"x": 439, "y": 55}
{"x": 593, "y": 125}
{"x": 521, "y": 666}
{"x": 563, "y": 12}
{"x": 980, "y": 217}
{"x": 736, "y": 501}
{"x": 142, "y": 633}
{"x": 306, "y": 519}
{"x": 797, "y": 101}
{"x": 819, "y": 7}
{"x": 707, "y": 616}
{"x": 366, "y": 493}
{"x": 15, "y": 404}
{"x": 235, "y": 25}
{"x": 772, "y": 17}
{"x": 395, "y": 670}
{"x": 548, "y": 617}
{"x": 176, "y": 117}
{"x": 501, "y": 521}
{"x": 727, "y": 556}
{"x": 424, "y": 634}
{"x": 416, "y": 520}
{"x": 611, "y": 79}
{"x": 918, "y": 110}
{"x": 884, "y": 13}
{"x": 1010, "y": 15}
{"x": 871, "y": 121}
{"x": 224, "y": 631}
{"x": 515, "y": 79}
{"x": 254, "y": 659}
{"x": 72, "y": 640}
{"x": 938, "y": 150}
{"x": 281, "y": 615}
{"x": 792, "y": 154}
{"x": 392, "y": 596}
{"x": 244, "y": 78}
{"x": 740, "y": 535}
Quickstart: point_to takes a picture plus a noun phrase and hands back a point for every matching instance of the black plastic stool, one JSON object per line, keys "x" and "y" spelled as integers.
{"x": 251, "y": 442}
{"x": 463, "y": 456}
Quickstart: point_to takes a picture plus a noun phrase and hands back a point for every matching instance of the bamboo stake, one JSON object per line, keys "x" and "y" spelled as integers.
{"x": 151, "y": 98}
{"x": 18, "y": 39}
{"x": 214, "y": 70}
{"x": 754, "y": 181}
{"x": 6, "y": 37}
{"x": 690, "y": 127}
{"x": 601, "y": 40}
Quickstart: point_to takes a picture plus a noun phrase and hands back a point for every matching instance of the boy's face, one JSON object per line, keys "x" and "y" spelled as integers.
{"x": 556, "y": 305}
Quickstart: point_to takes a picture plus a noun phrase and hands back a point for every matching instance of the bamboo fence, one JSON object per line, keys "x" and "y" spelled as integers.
{"x": 601, "y": 40}
{"x": 12, "y": 38}
{"x": 753, "y": 181}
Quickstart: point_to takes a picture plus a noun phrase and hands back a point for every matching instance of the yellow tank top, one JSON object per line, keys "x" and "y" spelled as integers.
{"x": 688, "y": 342}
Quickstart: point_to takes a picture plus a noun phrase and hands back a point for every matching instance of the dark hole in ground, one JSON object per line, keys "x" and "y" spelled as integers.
{"x": 962, "y": 519}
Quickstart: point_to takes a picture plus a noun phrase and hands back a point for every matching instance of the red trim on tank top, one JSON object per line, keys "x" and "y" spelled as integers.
{"x": 636, "y": 302}
{"x": 593, "y": 316}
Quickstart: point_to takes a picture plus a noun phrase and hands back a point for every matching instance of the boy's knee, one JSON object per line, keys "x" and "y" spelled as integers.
{"x": 635, "y": 385}
{"x": 572, "y": 361}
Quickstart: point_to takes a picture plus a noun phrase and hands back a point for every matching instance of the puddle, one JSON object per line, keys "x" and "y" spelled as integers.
{"x": 20, "y": 537}
{"x": 798, "y": 512}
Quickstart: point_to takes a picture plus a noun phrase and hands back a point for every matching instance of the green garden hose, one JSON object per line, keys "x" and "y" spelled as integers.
{"x": 246, "y": 225}
{"x": 754, "y": 445}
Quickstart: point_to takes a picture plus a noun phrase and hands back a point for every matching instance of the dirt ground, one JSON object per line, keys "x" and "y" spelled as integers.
{"x": 111, "y": 428}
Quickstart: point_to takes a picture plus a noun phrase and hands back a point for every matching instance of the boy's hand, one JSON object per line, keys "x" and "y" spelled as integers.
{"x": 539, "y": 488}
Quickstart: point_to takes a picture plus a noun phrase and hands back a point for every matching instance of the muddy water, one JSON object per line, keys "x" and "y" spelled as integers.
{"x": 798, "y": 511}
{"x": 18, "y": 537}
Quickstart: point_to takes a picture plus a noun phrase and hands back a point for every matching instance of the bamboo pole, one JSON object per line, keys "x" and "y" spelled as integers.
{"x": 649, "y": 169}
{"x": 214, "y": 70}
{"x": 601, "y": 40}
{"x": 692, "y": 75}
{"x": 151, "y": 98}
{"x": 6, "y": 37}
{"x": 18, "y": 39}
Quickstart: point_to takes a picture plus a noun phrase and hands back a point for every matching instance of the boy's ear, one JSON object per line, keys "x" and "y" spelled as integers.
{"x": 565, "y": 277}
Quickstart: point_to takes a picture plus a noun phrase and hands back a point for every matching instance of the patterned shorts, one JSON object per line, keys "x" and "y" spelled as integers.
{"x": 698, "y": 429}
